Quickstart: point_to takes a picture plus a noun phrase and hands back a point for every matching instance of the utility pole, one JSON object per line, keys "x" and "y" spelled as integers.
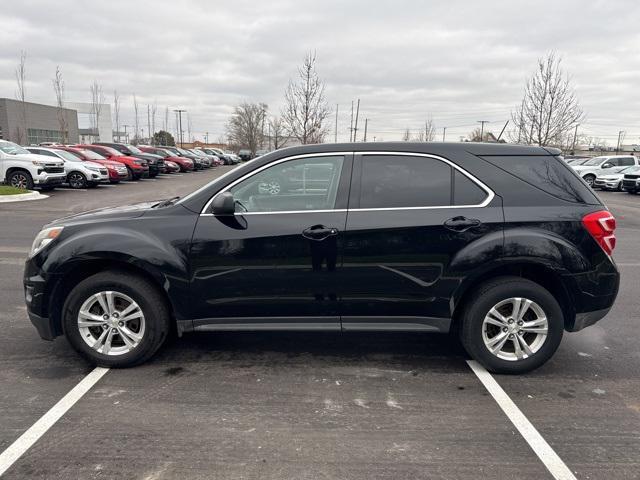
{"x": 351, "y": 127}
{"x": 126, "y": 137}
{"x": 502, "y": 131}
{"x": 482, "y": 122}
{"x": 148, "y": 122}
{"x": 180, "y": 112}
{"x": 444, "y": 133}
{"x": 206, "y": 138}
{"x": 575, "y": 136}
{"x": 355, "y": 127}
{"x": 366, "y": 122}
{"x": 619, "y": 137}
{"x": 335, "y": 136}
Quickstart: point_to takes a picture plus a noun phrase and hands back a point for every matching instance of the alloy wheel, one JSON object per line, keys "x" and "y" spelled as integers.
{"x": 515, "y": 329}
{"x": 111, "y": 323}
{"x": 19, "y": 180}
{"x": 272, "y": 187}
{"x": 76, "y": 180}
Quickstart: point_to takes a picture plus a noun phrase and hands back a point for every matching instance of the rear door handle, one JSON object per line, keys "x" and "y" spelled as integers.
{"x": 319, "y": 232}
{"x": 461, "y": 224}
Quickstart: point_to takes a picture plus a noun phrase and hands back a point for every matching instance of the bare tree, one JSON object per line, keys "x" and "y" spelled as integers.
{"x": 406, "y": 136}
{"x": 244, "y": 128}
{"x": 58, "y": 88}
{"x": 550, "y": 108}
{"x": 278, "y": 133}
{"x": 152, "y": 132}
{"x": 419, "y": 137}
{"x": 136, "y": 121}
{"x": 116, "y": 112}
{"x": 429, "y": 130}
{"x": 189, "y": 128}
{"x": 97, "y": 100}
{"x": 21, "y": 94}
{"x": 477, "y": 135}
{"x": 306, "y": 108}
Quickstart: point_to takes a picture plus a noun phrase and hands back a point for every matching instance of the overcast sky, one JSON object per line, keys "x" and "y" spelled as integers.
{"x": 456, "y": 61}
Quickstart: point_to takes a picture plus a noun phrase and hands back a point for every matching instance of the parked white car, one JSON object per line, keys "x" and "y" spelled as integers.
{"x": 22, "y": 169}
{"x": 612, "y": 181}
{"x": 80, "y": 174}
{"x": 598, "y": 166}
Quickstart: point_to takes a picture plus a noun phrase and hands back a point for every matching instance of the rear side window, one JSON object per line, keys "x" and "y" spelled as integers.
{"x": 466, "y": 191}
{"x": 396, "y": 181}
{"x": 547, "y": 173}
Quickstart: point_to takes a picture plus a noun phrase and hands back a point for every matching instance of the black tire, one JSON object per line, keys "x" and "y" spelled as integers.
{"x": 130, "y": 175}
{"x": 146, "y": 295}
{"x": 589, "y": 179}
{"x": 20, "y": 179}
{"x": 489, "y": 294}
{"x": 77, "y": 180}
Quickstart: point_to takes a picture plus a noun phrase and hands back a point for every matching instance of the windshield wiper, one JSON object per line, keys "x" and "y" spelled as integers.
{"x": 167, "y": 202}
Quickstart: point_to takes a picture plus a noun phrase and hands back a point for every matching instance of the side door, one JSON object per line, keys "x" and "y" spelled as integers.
{"x": 276, "y": 263}
{"x": 412, "y": 221}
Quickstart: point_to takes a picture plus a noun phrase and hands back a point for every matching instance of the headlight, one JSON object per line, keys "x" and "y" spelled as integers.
{"x": 44, "y": 238}
{"x": 94, "y": 169}
{"x": 39, "y": 163}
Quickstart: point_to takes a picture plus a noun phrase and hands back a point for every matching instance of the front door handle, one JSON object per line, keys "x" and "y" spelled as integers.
{"x": 461, "y": 224}
{"x": 319, "y": 232}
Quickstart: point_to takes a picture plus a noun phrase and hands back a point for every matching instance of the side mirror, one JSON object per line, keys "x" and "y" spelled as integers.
{"x": 607, "y": 165}
{"x": 224, "y": 204}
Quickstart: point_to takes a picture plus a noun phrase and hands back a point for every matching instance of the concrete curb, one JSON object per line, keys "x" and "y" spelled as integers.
{"x": 22, "y": 197}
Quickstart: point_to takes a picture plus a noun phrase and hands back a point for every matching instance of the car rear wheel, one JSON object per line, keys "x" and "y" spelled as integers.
{"x": 77, "y": 180}
{"x": 511, "y": 325}
{"x": 115, "y": 319}
{"x": 20, "y": 179}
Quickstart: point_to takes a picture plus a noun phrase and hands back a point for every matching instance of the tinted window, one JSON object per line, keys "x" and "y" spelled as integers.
{"x": 390, "y": 181}
{"x": 302, "y": 184}
{"x": 548, "y": 174}
{"x": 466, "y": 191}
{"x": 626, "y": 161}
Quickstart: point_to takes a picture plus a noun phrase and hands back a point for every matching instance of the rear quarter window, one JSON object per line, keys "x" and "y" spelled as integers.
{"x": 547, "y": 173}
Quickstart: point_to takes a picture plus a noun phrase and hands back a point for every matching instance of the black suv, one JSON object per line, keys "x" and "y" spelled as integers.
{"x": 504, "y": 245}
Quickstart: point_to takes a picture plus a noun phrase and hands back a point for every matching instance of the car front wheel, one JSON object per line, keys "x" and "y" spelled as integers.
{"x": 20, "y": 179}
{"x": 77, "y": 180}
{"x": 511, "y": 325}
{"x": 116, "y": 319}
{"x": 589, "y": 179}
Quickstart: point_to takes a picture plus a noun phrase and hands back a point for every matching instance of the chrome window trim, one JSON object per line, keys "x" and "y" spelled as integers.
{"x": 490, "y": 194}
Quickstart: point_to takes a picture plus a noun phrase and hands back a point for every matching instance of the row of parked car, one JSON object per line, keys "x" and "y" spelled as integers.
{"x": 82, "y": 166}
{"x": 613, "y": 172}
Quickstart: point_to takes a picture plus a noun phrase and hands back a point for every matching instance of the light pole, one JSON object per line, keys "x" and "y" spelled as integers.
{"x": 180, "y": 112}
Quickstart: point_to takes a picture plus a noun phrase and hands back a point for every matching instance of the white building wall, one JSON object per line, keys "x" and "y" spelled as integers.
{"x": 105, "y": 129}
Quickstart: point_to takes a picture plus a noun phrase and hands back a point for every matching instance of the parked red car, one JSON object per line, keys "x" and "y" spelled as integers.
{"x": 117, "y": 170}
{"x": 171, "y": 167}
{"x": 136, "y": 167}
{"x": 184, "y": 163}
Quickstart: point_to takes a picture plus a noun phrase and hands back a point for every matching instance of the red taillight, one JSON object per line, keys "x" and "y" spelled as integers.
{"x": 602, "y": 225}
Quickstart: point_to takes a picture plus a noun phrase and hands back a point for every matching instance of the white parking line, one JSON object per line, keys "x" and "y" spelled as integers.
{"x": 538, "y": 444}
{"x": 38, "y": 429}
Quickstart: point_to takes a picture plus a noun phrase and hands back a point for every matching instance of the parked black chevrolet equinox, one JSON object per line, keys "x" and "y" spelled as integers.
{"x": 502, "y": 244}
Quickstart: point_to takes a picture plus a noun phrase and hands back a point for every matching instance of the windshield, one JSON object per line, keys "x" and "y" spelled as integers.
{"x": 91, "y": 155}
{"x": 595, "y": 161}
{"x": 158, "y": 151}
{"x": 184, "y": 152}
{"x": 634, "y": 169}
{"x": 12, "y": 148}
{"x": 70, "y": 157}
{"x": 134, "y": 149}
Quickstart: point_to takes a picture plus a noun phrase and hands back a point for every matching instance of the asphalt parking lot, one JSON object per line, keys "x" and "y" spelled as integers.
{"x": 294, "y": 405}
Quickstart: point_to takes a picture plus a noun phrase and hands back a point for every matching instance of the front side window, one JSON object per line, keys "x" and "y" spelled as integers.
{"x": 294, "y": 185}
{"x": 397, "y": 181}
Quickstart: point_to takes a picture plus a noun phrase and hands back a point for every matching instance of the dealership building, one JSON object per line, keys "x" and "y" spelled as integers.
{"x": 33, "y": 123}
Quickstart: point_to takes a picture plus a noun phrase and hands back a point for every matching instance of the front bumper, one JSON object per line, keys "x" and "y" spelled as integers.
{"x": 37, "y": 301}
{"x": 49, "y": 179}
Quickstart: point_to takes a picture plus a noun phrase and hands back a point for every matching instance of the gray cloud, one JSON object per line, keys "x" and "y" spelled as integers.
{"x": 456, "y": 61}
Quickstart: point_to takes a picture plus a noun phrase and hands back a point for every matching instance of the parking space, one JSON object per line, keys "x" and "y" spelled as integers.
{"x": 294, "y": 405}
